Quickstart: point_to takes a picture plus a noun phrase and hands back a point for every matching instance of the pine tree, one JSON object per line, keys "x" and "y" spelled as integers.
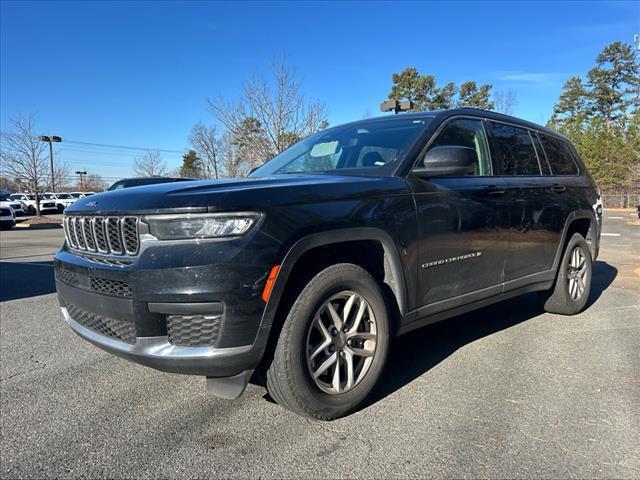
{"x": 410, "y": 85}
{"x": 472, "y": 96}
{"x": 601, "y": 118}
{"x": 613, "y": 81}
{"x": 572, "y": 107}
{"x": 425, "y": 94}
{"x": 191, "y": 165}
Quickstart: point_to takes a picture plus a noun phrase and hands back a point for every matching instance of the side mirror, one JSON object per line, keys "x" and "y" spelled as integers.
{"x": 448, "y": 161}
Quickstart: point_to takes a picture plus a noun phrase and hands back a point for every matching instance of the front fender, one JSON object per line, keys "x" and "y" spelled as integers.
{"x": 332, "y": 237}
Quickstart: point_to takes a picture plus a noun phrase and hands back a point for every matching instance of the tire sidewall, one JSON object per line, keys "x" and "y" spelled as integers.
{"x": 575, "y": 305}
{"x": 320, "y": 289}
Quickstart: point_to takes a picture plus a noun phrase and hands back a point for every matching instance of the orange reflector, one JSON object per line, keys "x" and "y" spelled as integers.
{"x": 266, "y": 293}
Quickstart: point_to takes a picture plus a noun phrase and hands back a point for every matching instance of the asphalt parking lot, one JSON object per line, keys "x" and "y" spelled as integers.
{"x": 507, "y": 391}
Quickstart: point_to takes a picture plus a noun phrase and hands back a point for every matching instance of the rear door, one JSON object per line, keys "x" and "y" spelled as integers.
{"x": 462, "y": 225}
{"x": 564, "y": 177}
{"x": 536, "y": 210}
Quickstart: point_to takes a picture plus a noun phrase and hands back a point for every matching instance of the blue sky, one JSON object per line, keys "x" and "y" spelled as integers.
{"x": 139, "y": 74}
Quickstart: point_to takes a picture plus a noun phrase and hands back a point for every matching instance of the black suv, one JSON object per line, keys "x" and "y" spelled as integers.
{"x": 299, "y": 275}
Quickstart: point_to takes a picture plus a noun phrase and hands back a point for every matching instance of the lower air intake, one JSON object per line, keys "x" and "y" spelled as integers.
{"x": 193, "y": 330}
{"x": 109, "y": 327}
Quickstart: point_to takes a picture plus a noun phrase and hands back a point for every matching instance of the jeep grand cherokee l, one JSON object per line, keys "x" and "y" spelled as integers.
{"x": 300, "y": 275}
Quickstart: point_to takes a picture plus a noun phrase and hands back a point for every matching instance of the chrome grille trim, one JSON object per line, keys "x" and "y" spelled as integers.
{"x": 78, "y": 232}
{"x": 87, "y": 233}
{"x": 109, "y": 236}
{"x": 74, "y": 236}
{"x": 65, "y": 230}
{"x": 130, "y": 235}
{"x": 114, "y": 237}
{"x": 100, "y": 234}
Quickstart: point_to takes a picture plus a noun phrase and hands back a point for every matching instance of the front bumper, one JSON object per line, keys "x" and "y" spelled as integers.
{"x": 191, "y": 309}
{"x": 159, "y": 353}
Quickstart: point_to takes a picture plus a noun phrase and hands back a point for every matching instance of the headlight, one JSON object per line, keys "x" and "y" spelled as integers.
{"x": 200, "y": 225}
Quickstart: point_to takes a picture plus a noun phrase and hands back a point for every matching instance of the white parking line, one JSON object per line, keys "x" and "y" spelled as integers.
{"x": 613, "y": 218}
{"x": 610, "y": 234}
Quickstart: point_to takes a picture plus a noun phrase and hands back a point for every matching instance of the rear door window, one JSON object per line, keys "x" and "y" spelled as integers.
{"x": 544, "y": 161}
{"x": 514, "y": 151}
{"x": 559, "y": 155}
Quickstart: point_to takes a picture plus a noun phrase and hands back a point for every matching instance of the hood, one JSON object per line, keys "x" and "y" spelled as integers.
{"x": 239, "y": 194}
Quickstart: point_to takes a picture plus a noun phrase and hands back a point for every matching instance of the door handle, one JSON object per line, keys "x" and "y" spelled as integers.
{"x": 493, "y": 190}
{"x": 558, "y": 188}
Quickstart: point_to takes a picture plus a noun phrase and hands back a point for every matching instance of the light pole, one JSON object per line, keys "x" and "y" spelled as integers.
{"x": 81, "y": 173}
{"x": 50, "y": 139}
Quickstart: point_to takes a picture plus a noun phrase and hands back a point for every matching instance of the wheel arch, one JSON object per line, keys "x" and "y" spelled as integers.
{"x": 578, "y": 221}
{"x": 393, "y": 269}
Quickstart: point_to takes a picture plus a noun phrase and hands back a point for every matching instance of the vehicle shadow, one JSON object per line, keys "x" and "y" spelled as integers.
{"x": 25, "y": 279}
{"x": 419, "y": 351}
{"x": 603, "y": 276}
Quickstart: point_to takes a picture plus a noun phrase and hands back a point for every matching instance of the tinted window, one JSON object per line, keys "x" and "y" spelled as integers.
{"x": 559, "y": 155}
{"x": 514, "y": 150}
{"x": 374, "y": 156}
{"x": 467, "y": 133}
{"x": 544, "y": 162}
{"x": 370, "y": 144}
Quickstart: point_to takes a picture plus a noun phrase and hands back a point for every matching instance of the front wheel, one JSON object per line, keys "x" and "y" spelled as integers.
{"x": 333, "y": 344}
{"x": 571, "y": 290}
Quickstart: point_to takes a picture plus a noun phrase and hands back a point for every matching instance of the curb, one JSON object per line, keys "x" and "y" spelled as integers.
{"x": 38, "y": 226}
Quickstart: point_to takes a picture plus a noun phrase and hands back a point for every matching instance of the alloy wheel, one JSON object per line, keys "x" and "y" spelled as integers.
{"x": 577, "y": 273}
{"x": 341, "y": 342}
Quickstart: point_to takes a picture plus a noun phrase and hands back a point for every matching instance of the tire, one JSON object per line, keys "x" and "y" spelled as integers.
{"x": 31, "y": 210}
{"x": 60, "y": 208}
{"x": 568, "y": 297}
{"x": 289, "y": 376}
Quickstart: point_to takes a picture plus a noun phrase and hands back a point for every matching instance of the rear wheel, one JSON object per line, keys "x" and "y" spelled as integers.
{"x": 31, "y": 210}
{"x": 333, "y": 344}
{"x": 571, "y": 290}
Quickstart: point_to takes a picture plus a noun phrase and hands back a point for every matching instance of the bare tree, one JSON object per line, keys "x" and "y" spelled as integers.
{"x": 270, "y": 116}
{"x": 150, "y": 165}
{"x": 505, "y": 101}
{"x": 61, "y": 173}
{"x": 94, "y": 183}
{"x": 23, "y": 156}
{"x": 206, "y": 143}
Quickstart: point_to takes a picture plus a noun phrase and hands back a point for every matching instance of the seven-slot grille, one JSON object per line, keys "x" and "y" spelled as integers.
{"x": 108, "y": 235}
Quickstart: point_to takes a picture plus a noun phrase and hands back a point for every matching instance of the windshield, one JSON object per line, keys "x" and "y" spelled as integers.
{"x": 64, "y": 196}
{"x": 365, "y": 145}
{"x": 48, "y": 196}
